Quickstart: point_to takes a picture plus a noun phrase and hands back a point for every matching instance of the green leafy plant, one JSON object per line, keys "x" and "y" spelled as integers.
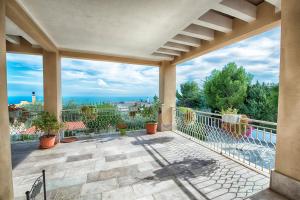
{"x": 101, "y": 116}
{"x": 189, "y": 116}
{"x": 47, "y": 123}
{"x": 236, "y": 129}
{"x": 150, "y": 113}
{"x": 229, "y": 111}
{"x": 88, "y": 111}
{"x": 187, "y": 123}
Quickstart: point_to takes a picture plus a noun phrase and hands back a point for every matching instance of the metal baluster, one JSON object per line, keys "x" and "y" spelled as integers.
{"x": 44, "y": 184}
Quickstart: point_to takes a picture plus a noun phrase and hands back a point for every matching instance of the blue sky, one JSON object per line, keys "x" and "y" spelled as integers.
{"x": 259, "y": 55}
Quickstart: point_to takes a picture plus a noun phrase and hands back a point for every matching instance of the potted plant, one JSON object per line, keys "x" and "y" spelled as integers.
{"x": 49, "y": 125}
{"x": 151, "y": 114}
{"x": 189, "y": 116}
{"x": 235, "y": 124}
{"x": 122, "y": 128}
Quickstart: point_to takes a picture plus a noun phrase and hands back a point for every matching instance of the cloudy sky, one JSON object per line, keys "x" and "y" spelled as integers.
{"x": 259, "y": 55}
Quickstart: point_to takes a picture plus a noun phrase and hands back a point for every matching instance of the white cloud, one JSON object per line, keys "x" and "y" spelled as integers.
{"x": 25, "y": 83}
{"x": 259, "y": 55}
{"x": 107, "y": 78}
{"x": 25, "y": 59}
{"x": 102, "y": 83}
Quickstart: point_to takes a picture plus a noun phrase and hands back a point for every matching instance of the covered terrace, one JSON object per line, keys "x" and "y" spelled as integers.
{"x": 158, "y": 33}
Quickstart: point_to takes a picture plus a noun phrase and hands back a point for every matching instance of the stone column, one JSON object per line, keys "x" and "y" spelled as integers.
{"x": 52, "y": 83}
{"x": 167, "y": 95}
{"x": 6, "y": 183}
{"x": 285, "y": 179}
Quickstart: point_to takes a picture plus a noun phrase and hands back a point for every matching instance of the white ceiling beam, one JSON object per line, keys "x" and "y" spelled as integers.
{"x": 163, "y": 56}
{"x": 178, "y": 47}
{"x": 168, "y": 51}
{"x": 200, "y": 32}
{"x": 68, "y": 53}
{"x": 17, "y": 14}
{"x": 215, "y": 21}
{"x": 13, "y": 39}
{"x": 13, "y": 29}
{"x": 266, "y": 19}
{"x": 276, "y": 3}
{"x": 186, "y": 40}
{"x": 240, "y": 9}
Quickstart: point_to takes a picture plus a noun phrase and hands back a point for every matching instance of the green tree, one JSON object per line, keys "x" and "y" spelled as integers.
{"x": 190, "y": 95}
{"x": 227, "y": 88}
{"x": 261, "y": 102}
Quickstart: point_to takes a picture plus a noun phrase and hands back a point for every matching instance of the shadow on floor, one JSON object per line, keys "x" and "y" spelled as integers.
{"x": 217, "y": 181}
{"x": 169, "y": 168}
{"x": 160, "y": 140}
{"x": 20, "y": 151}
{"x": 187, "y": 168}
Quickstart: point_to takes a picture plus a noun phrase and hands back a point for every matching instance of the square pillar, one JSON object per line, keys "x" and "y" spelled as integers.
{"x": 52, "y": 83}
{"x": 167, "y": 96}
{"x": 6, "y": 183}
{"x": 285, "y": 179}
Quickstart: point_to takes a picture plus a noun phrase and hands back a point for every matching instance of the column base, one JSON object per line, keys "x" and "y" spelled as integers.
{"x": 285, "y": 185}
{"x": 165, "y": 127}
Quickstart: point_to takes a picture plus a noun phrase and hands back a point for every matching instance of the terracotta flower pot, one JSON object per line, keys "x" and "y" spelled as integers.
{"x": 47, "y": 142}
{"x": 151, "y": 127}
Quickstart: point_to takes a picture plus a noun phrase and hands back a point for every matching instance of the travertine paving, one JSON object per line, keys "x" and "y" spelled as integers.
{"x": 137, "y": 166}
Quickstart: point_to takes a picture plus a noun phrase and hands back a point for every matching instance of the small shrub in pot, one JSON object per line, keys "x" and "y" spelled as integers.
{"x": 50, "y": 126}
{"x": 151, "y": 114}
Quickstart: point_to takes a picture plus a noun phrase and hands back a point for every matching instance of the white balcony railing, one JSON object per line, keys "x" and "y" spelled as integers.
{"x": 20, "y": 124}
{"x": 99, "y": 121}
{"x": 252, "y": 142}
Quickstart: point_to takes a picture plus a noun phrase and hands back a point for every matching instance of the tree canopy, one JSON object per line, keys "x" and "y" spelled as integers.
{"x": 261, "y": 102}
{"x": 190, "y": 95}
{"x": 227, "y": 88}
{"x": 231, "y": 88}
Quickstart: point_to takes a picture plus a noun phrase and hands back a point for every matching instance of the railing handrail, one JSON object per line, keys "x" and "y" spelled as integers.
{"x": 249, "y": 119}
{"x": 78, "y": 109}
{"x": 263, "y": 122}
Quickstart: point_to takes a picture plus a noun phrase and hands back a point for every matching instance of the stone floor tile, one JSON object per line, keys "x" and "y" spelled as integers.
{"x": 65, "y": 193}
{"x": 115, "y": 157}
{"x": 124, "y": 193}
{"x": 79, "y": 157}
{"x": 151, "y": 187}
{"x": 145, "y": 166}
{"x": 66, "y": 182}
{"x": 171, "y": 194}
{"x": 99, "y": 187}
{"x": 226, "y": 196}
{"x": 149, "y": 197}
{"x": 79, "y": 170}
{"x": 91, "y": 197}
{"x": 150, "y": 164}
{"x": 127, "y": 180}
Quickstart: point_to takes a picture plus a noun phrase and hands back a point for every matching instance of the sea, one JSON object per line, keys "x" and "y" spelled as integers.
{"x": 84, "y": 99}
